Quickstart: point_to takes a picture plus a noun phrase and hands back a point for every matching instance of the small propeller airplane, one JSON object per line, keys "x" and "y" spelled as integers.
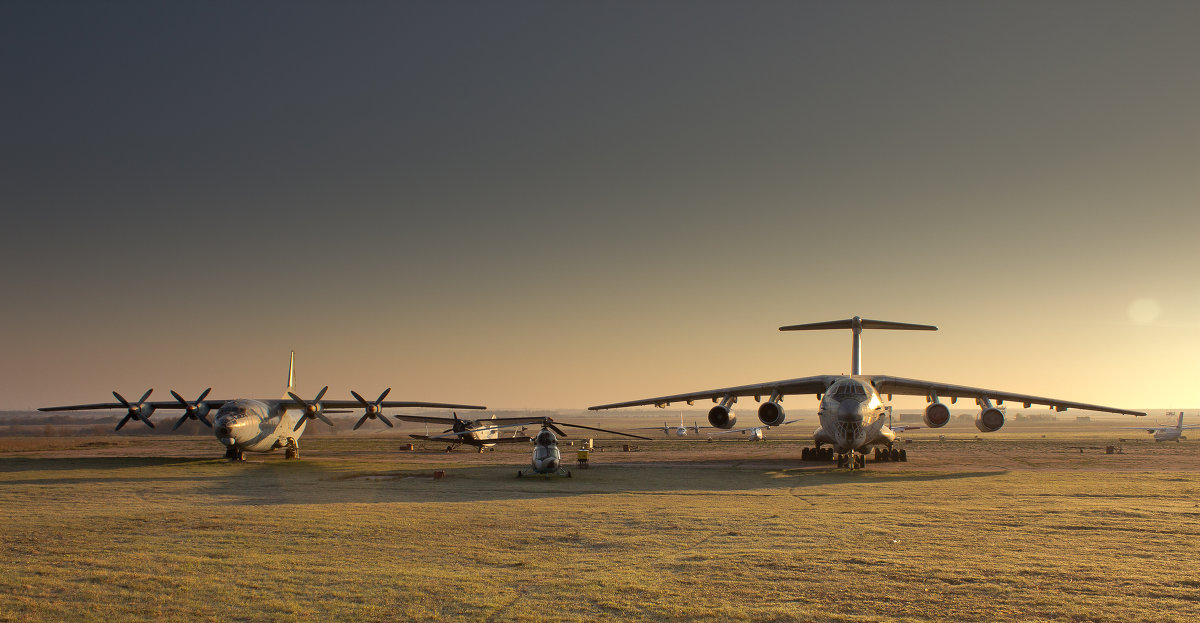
{"x": 754, "y": 433}
{"x": 258, "y": 425}
{"x": 1165, "y": 433}
{"x": 680, "y": 430}
{"x": 485, "y": 433}
{"x": 851, "y": 410}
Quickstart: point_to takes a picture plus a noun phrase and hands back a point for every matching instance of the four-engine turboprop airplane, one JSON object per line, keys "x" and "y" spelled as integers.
{"x": 258, "y": 425}
{"x": 680, "y": 430}
{"x": 1164, "y": 433}
{"x": 851, "y": 412}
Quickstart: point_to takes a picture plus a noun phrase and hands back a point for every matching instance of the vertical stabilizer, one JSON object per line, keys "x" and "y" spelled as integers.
{"x": 1180, "y": 424}
{"x": 291, "y": 386}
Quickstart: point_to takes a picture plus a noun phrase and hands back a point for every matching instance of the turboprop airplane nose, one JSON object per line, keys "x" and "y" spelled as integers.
{"x": 227, "y": 429}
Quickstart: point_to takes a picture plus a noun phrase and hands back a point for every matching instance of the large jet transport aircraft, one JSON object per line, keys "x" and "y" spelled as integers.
{"x": 258, "y": 425}
{"x": 851, "y": 412}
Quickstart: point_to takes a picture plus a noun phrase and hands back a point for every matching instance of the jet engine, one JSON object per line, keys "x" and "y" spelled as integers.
{"x": 989, "y": 420}
{"x": 771, "y": 413}
{"x": 937, "y": 415}
{"x": 721, "y": 417}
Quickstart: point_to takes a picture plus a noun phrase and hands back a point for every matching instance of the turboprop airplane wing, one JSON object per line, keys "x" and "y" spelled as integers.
{"x": 912, "y": 387}
{"x": 805, "y": 385}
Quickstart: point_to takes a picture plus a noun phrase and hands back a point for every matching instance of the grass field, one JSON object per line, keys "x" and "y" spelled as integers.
{"x": 1019, "y": 528}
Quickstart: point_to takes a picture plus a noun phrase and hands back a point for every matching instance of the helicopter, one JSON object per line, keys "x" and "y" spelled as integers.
{"x": 547, "y": 460}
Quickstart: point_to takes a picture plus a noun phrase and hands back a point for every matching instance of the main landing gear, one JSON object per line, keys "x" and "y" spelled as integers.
{"x": 816, "y": 454}
{"x": 890, "y": 454}
{"x": 291, "y": 450}
{"x": 234, "y": 453}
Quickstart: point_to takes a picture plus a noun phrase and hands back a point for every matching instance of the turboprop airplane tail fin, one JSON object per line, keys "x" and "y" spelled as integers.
{"x": 291, "y": 386}
{"x": 857, "y": 324}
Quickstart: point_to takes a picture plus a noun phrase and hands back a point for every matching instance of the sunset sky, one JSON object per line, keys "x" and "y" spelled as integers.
{"x": 560, "y": 204}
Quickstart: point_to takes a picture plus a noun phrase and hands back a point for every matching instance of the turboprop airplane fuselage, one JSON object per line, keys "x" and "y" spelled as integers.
{"x": 258, "y": 425}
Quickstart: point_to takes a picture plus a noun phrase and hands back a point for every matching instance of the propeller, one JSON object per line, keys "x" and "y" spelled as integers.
{"x": 312, "y": 410}
{"x": 140, "y": 411}
{"x": 373, "y": 410}
{"x": 194, "y": 410}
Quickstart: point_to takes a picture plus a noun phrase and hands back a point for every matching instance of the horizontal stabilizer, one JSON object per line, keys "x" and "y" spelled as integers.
{"x": 863, "y": 323}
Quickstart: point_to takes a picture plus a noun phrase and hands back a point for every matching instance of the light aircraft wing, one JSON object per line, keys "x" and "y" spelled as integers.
{"x": 805, "y": 385}
{"x": 433, "y": 419}
{"x": 472, "y": 441}
{"x": 735, "y": 430}
{"x": 913, "y": 387}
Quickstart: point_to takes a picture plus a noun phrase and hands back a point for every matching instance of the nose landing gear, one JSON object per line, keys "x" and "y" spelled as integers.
{"x": 234, "y": 453}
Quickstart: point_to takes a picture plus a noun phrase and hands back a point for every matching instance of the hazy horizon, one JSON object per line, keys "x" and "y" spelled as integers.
{"x": 545, "y": 205}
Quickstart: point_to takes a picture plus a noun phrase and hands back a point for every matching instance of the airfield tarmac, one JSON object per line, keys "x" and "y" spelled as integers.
{"x": 1020, "y": 525}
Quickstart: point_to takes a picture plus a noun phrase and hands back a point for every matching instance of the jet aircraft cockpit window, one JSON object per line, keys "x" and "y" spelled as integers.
{"x": 849, "y": 389}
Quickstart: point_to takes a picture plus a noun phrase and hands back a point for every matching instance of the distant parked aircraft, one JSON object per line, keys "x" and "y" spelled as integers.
{"x": 680, "y": 430}
{"x": 1165, "y": 433}
{"x": 753, "y": 433}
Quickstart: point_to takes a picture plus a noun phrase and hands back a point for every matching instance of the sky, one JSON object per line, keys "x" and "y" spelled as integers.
{"x": 560, "y": 204}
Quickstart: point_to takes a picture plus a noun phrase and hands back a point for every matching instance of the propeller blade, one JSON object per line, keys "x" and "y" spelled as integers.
{"x": 359, "y": 398}
{"x": 603, "y": 430}
{"x": 386, "y": 421}
{"x": 146, "y": 420}
{"x": 297, "y": 399}
{"x": 204, "y": 395}
{"x": 383, "y": 395}
{"x": 300, "y": 422}
{"x": 324, "y": 419}
{"x": 180, "y": 421}
{"x": 122, "y": 399}
{"x": 321, "y": 394}
{"x": 204, "y": 419}
{"x": 144, "y": 396}
{"x": 122, "y": 422}
{"x": 360, "y": 421}
{"x": 180, "y": 399}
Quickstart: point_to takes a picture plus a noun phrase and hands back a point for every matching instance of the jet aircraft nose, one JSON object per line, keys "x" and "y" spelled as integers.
{"x": 850, "y": 411}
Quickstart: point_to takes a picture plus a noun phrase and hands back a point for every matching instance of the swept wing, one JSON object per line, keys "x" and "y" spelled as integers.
{"x": 914, "y": 387}
{"x": 805, "y": 385}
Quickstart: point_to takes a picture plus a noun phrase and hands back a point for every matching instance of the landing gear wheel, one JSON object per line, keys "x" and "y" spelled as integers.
{"x": 804, "y": 454}
{"x": 894, "y": 455}
{"x": 449, "y": 448}
{"x": 860, "y": 461}
{"x": 903, "y": 456}
{"x": 520, "y": 473}
{"x": 291, "y": 450}
{"x": 568, "y": 473}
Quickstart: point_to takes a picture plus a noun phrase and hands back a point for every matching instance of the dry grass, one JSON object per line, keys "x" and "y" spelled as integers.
{"x": 1016, "y": 529}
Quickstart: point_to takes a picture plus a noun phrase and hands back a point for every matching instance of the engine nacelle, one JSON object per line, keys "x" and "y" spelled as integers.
{"x": 989, "y": 420}
{"x": 721, "y": 417}
{"x": 771, "y": 413}
{"x": 937, "y": 415}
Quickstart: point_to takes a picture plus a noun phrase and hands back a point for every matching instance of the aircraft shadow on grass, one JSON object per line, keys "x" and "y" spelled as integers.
{"x": 268, "y": 484}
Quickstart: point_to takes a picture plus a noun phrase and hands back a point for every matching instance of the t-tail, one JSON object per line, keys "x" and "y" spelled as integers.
{"x": 1179, "y": 425}
{"x": 856, "y": 325}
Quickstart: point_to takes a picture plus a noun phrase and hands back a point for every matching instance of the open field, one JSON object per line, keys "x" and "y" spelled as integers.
{"x": 1013, "y": 527}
